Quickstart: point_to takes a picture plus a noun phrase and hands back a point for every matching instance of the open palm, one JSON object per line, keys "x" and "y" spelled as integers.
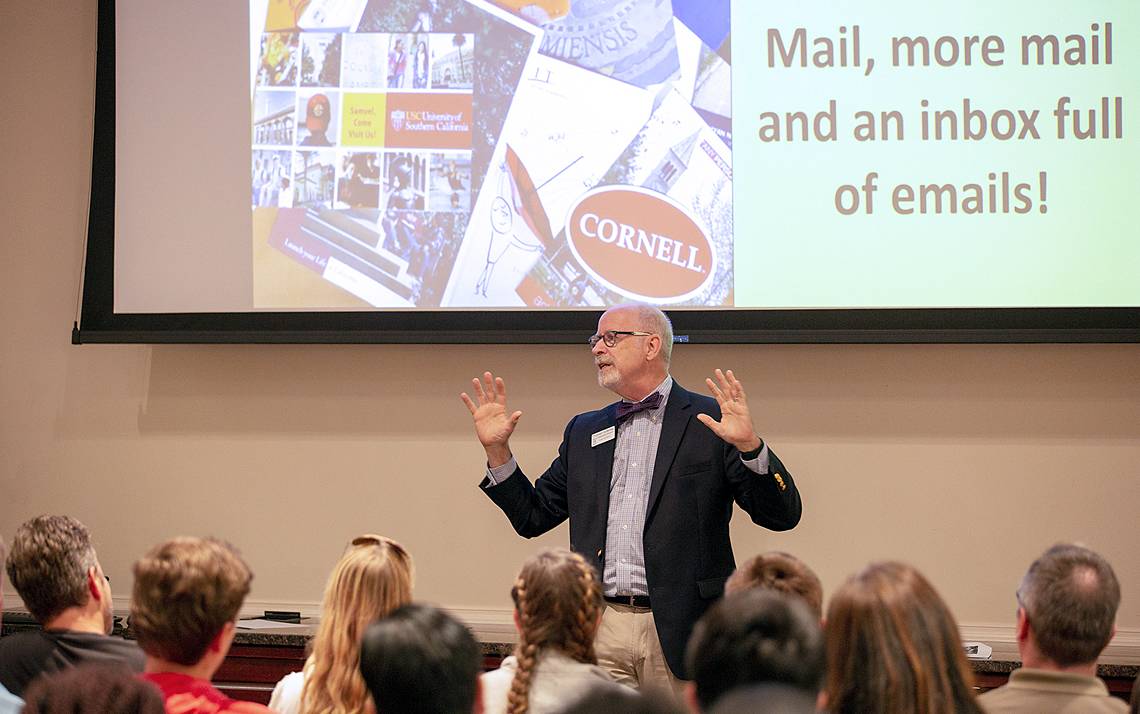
{"x": 735, "y": 425}
{"x": 493, "y": 423}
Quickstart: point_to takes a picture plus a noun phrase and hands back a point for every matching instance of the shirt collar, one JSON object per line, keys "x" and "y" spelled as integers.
{"x": 663, "y": 389}
{"x": 1057, "y": 681}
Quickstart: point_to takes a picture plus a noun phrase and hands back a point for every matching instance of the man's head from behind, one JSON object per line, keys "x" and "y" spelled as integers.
{"x": 781, "y": 572}
{"x": 752, "y": 637}
{"x": 421, "y": 659}
{"x": 1068, "y": 600}
{"x": 53, "y": 566}
{"x": 188, "y": 592}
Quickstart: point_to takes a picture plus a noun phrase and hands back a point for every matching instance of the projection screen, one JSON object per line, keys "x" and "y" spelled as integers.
{"x": 501, "y": 170}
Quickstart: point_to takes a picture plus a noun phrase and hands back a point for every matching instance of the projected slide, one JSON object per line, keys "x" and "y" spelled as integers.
{"x": 485, "y": 154}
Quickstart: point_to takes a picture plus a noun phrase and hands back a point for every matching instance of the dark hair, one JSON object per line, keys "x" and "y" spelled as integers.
{"x": 420, "y": 659}
{"x": 94, "y": 688}
{"x": 622, "y": 700}
{"x": 779, "y": 571}
{"x": 767, "y": 698}
{"x": 893, "y": 646}
{"x": 1070, "y": 596}
{"x": 186, "y": 590}
{"x": 752, "y": 637}
{"x": 48, "y": 565}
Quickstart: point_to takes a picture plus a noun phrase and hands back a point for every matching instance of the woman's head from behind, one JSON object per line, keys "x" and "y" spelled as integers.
{"x": 371, "y": 579}
{"x": 893, "y": 646}
{"x": 558, "y": 605}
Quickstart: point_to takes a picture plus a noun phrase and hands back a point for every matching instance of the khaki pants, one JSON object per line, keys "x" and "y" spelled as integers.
{"x": 629, "y": 649}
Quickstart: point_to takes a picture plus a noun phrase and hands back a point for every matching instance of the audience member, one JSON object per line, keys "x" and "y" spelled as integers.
{"x": 372, "y": 578}
{"x": 187, "y": 595}
{"x": 1134, "y": 707}
{"x": 54, "y": 568}
{"x": 782, "y": 572}
{"x": 9, "y": 703}
{"x": 752, "y": 637}
{"x": 420, "y": 659}
{"x": 623, "y": 700}
{"x": 558, "y": 606}
{"x": 93, "y": 689}
{"x": 893, "y": 647}
{"x": 767, "y": 698}
{"x": 1065, "y": 617}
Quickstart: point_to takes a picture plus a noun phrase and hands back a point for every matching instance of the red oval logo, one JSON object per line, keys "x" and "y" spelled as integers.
{"x": 640, "y": 243}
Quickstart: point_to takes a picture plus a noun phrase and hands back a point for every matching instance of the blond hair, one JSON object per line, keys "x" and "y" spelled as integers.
{"x": 558, "y": 601}
{"x": 371, "y": 579}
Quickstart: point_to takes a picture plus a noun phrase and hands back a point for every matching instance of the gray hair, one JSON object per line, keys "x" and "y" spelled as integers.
{"x": 1070, "y": 596}
{"x": 48, "y": 564}
{"x": 652, "y": 319}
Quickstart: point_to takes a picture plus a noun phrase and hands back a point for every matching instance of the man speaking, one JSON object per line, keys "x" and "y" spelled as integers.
{"x": 648, "y": 485}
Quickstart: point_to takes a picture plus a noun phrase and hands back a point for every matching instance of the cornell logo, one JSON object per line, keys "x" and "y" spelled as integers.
{"x": 641, "y": 243}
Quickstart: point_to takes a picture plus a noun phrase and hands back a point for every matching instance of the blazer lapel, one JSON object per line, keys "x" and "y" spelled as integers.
{"x": 673, "y": 425}
{"x": 604, "y": 460}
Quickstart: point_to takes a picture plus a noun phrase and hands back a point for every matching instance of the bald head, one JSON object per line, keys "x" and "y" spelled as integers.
{"x": 1070, "y": 596}
{"x": 648, "y": 318}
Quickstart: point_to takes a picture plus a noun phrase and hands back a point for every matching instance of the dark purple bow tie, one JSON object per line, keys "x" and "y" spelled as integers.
{"x": 627, "y": 409}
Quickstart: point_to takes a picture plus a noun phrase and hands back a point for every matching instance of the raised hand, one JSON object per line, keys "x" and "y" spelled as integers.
{"x": 735, "y": 425}
{"x": 493, "y": 424}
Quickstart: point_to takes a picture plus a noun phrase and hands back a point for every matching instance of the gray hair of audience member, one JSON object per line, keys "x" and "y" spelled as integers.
{"x": 782, "y": 572}
{"x": 767, "y": 698}
{"x": 1070, "y": 596}
{"x": 652, "y": 319}
{"x": 48, "y": 564}
{"x": 753, "y": 637}
{"x": 94, "y": 689}
{"x": 420, "y": 659}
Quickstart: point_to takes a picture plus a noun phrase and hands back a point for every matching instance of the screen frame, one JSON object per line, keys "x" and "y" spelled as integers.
{"x": 100, "y": 323}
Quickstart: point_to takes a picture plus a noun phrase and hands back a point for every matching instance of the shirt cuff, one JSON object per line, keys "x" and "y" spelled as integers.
{"x": 759, "y": 464}
{"x": 498, "y": 474}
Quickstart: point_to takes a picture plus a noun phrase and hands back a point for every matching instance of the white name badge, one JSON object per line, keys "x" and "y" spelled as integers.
{"x": 601, "y": 437}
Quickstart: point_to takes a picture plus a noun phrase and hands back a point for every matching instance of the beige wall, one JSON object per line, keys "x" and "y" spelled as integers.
{"x": 966, "y": 460}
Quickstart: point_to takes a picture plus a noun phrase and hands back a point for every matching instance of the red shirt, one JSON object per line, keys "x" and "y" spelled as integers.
{"x": 186, "y": 695}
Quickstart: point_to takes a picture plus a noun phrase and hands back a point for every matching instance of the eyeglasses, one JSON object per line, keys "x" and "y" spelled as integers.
{"x": 1021, "y": 602}
{"x": 610, "y": 337}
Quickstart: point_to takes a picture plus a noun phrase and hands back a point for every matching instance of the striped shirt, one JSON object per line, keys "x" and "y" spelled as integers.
{"x": 634, "y": 457}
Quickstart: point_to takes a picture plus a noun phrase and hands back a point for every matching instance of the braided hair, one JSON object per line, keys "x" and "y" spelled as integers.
{"x": 558, "y": 601}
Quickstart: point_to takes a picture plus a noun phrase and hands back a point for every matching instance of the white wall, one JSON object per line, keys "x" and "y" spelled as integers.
{"x": 966, "y": 460}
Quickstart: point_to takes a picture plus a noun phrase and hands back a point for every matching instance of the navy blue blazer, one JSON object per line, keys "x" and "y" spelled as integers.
{"x": 696, "y": 478}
